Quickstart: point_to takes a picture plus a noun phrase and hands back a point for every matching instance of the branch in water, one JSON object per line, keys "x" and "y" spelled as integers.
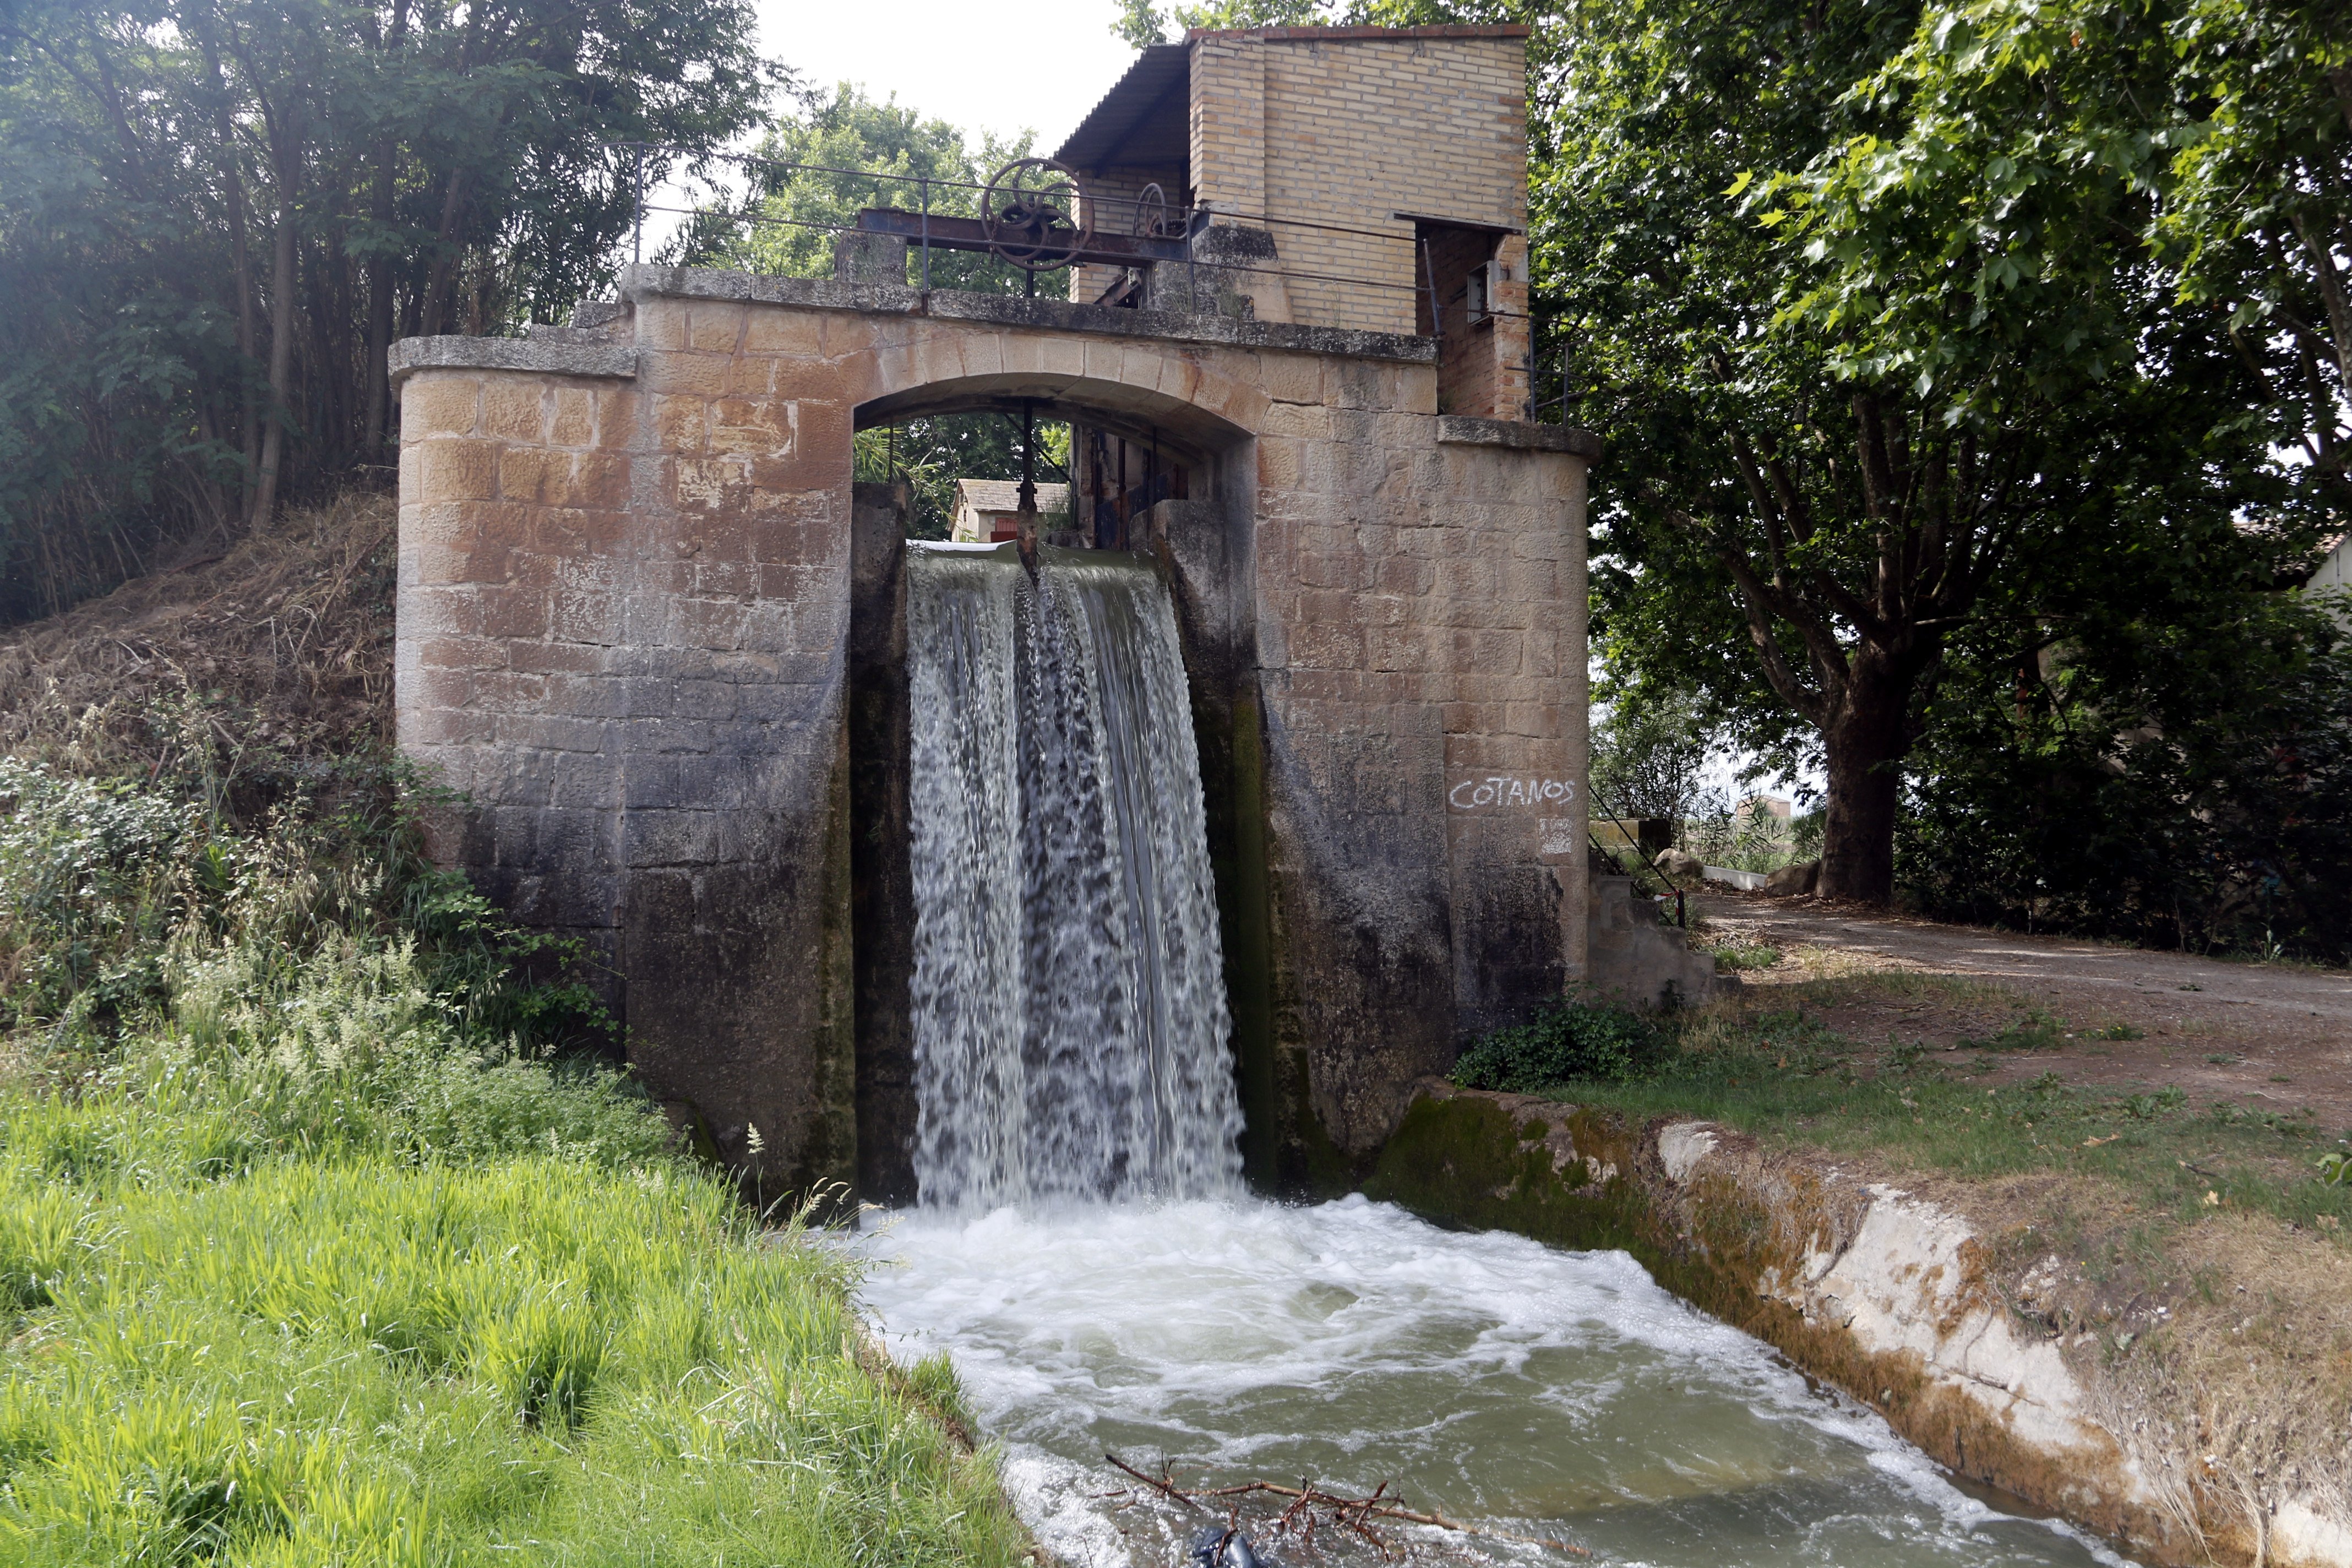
{"x": 1346, "y": 1512}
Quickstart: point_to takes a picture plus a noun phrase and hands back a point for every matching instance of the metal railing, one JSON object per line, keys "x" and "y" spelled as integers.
{"x": 1682, "y": 912}
{"x": 952, "y": 201}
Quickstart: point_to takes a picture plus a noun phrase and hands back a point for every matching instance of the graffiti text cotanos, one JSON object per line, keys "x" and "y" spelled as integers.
{"x": 1501, "y": 792}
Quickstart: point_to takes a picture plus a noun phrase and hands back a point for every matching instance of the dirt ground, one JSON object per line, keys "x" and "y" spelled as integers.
{"x": 2277, "y": 1036}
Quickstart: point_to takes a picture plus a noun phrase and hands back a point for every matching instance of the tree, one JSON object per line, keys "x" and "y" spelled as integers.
{"x": 2179, "y": 776}
{"x": 2227, "y": 121}
{"x": 1143, "y": 24}
{"x": 816, "y": 170}
{"x": 1650, "y": 753}
{"x": 216, "y": 215}
{"x": 2258, "y": 221}
{"x": 1845, "y": 412}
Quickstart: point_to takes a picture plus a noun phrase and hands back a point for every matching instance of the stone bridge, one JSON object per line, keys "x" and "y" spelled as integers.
{"x": 648, "y": 626}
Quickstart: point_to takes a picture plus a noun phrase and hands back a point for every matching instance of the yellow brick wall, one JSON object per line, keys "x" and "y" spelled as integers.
{"x": 1291, "y": 130}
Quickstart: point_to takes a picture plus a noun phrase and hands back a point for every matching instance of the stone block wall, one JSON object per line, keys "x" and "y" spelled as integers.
{"x": 626, "y": 633}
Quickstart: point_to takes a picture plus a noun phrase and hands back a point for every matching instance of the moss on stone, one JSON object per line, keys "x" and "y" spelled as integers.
{"x": 1580, "y": 1178}
{"x": 1461, "y": 1161}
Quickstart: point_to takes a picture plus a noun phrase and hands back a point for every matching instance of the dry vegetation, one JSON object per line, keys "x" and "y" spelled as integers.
{"x": 283, "y": 640}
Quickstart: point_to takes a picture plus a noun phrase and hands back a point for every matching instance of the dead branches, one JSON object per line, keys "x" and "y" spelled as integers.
{"x": 1312, "y": 1509}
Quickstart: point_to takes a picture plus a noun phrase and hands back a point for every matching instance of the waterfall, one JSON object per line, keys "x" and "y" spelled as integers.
{"x": 1068, "y": 995}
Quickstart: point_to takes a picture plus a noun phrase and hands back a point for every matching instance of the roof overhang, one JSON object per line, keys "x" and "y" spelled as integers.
{"x": 1145, "y": 115}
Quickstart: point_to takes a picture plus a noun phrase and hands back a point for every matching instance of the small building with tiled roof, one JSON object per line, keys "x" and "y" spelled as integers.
{"x": 985, "y": 507}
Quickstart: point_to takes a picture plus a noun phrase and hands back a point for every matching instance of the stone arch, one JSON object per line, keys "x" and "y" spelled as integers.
{"x": 1139, "y": 412}
{"x": 1181, "y": 388}
{"x": 1201, "y": 545}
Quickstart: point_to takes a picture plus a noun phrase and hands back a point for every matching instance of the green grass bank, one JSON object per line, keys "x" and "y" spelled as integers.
{"x": 330, "y": 1232}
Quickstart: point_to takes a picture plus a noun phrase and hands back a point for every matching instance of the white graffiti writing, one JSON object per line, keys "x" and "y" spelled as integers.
{"x": 1500, "y": 793}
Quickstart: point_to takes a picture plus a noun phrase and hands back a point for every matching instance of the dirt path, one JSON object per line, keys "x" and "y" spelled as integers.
{"x": 2275, "y": 1036}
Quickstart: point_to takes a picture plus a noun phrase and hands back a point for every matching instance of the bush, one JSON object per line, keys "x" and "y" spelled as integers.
{"x": 1566, "y": 1040}
{"x": 2187, "y": 789}
{"x": 305, "y": 983}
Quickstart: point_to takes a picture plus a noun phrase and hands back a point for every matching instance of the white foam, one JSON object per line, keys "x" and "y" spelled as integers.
{"x": 1492, "y": 1376}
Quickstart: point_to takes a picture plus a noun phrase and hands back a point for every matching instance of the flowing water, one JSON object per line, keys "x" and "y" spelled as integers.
{"x": 1084, "y": 1252}
{"x": 1499, "y": 1381}
{"x": 1068, "y": 992}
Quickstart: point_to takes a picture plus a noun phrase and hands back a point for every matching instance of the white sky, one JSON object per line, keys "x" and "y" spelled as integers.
{"x": 1039, "y": 66}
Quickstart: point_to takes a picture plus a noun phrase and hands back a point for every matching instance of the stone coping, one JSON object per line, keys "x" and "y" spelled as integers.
{"x": 1014, "y": 310}
{"x": 547, "y": 355}
{"x": 1365, "y": 35}
{"x": 1462, "y": 430}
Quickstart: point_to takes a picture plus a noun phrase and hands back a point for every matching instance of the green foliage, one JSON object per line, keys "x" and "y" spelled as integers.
{"x": 1649, "y": 752}
{"x": 1142, "y": 24}
{"x": 329, "y": 1245}
{"x": 847, "y": 152}
{"x": 1884, "y": 363}
{"x": 1567, "y": 1039}
{"x": 932, "y": 453}
{"x": 126, "y": 903}
{"x": 1734, "y": 957}
{"x": 2038, "y": 1031}
{"x": 216, "y": 214}
{"x": 2183, "y": 779}
{"x": 531, "y": 1360}
{"x": 1784, "y": 1076}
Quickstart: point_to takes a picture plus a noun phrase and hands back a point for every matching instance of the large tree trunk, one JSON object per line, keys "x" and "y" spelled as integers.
{"x": 379, "y": 329}
{"x": 1866, "y": 740}
{"x": 281, "y": 349}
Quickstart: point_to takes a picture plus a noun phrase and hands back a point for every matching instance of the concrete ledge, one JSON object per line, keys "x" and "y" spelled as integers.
{"x": 1461, "y": 430}
{"x": 1014, "y": 310}
{"x": 1893, "y": 1299}
{"x": 545, "y": 355}
{"x": 755, "y": 288}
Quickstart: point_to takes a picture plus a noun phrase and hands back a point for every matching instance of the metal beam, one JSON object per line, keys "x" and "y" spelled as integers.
{"x": 967, "y": 234}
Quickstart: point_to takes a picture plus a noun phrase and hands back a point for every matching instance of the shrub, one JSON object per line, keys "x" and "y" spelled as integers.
{"x": 2179, "y": 788}
{"x": 1566, "y": 1040}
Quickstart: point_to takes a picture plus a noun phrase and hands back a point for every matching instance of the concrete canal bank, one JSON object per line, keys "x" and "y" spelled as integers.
{"x": 1900, "y": 1301}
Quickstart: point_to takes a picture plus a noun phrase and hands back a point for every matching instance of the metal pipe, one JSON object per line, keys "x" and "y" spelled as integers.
{"x": 1436, "y": 316}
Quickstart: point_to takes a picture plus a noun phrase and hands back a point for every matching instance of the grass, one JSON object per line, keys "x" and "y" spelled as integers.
{"x": 365, "y": 1360}
{"x": 1789, "y": 1080}
{"x": 330, "y": 1236}
{"x": 1732, "y": 956}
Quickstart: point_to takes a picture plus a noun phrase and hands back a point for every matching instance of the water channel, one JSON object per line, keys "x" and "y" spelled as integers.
{"x": 1085, "y": 1254}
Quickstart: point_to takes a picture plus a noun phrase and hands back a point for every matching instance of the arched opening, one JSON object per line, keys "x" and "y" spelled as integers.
{"x": 1182, "y": 505}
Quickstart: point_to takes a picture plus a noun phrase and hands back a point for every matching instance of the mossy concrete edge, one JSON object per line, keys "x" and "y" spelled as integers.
{"x": 1859, "y": 1284}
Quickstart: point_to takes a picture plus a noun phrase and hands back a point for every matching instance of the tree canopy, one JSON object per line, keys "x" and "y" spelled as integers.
{"x": 216, "y": 215}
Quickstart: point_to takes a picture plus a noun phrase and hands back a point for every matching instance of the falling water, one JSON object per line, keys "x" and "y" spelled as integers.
{"x": 1070, "y": 1020}
{"x": 1069, "y": 1036}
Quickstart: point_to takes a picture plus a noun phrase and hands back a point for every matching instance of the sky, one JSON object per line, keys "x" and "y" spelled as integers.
{"x": 1036, "y": 66}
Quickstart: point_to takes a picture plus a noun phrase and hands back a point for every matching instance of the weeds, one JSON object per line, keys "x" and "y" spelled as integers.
{"x": 1736, "y": 957}
{"x": 329, "y": 1234}
{"x": 2038, "y": 1031}
{"x": 1785, "y": 1076}
{"x": 1565, "y": 1040}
